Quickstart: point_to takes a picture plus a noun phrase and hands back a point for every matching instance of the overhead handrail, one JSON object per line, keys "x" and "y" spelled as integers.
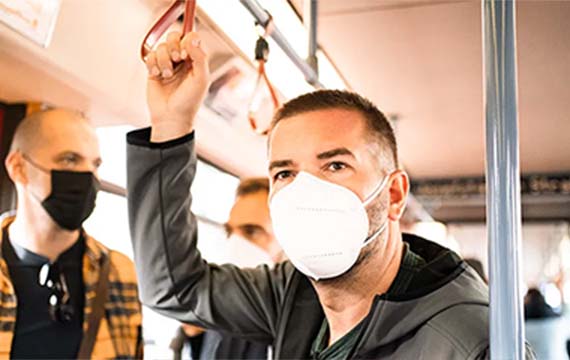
{"x": 263, "y": 17}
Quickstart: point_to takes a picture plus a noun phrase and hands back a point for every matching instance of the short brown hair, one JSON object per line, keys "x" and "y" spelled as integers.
{"x": 377, "y": 124}
{"x": 252, "y": 186}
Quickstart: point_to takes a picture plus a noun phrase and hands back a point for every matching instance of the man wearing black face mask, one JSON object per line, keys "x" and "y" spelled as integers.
{"x": 62, "y": 294}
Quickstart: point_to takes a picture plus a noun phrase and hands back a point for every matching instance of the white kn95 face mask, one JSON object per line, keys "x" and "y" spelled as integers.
{"x": 322, "y": 226}
{"x": 244, "y": 253}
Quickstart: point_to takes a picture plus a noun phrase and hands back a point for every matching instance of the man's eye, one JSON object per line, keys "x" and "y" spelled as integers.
{"x": 250, "y": 231}
{"x": 69, "y": 160}
{"x": 336, "y": 166}
{"x": 282, "y": 175}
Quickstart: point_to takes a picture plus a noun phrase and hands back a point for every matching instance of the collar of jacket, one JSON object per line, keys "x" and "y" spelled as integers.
{"x": 390, "y": 318}
{"x": 92, "y": 250}
{"x": 119, "y": 335}
{"x": 91, "y": 262}
{"x": 91, "y": 265}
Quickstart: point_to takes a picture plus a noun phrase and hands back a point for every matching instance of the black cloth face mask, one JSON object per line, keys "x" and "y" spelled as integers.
{"x": 72, "y": 197}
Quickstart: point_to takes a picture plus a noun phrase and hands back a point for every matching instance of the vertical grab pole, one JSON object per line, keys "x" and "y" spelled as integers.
{"x": 310, "y": 17}
{"x": 503, "y": 179}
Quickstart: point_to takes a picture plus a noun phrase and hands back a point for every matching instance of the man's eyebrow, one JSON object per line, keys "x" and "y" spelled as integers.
{"x": 250, "y": 226}
{"x": 334, "y": 152}
{"x": 63, "y": 154}
{"x": 280, "y": 163}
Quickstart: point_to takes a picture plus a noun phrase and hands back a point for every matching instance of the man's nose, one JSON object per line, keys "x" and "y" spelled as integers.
{"x": 89, "y": 168}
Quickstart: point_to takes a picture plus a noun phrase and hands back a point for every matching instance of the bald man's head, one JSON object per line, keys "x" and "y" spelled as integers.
{"x": 32, "y": 131}
{"x": 57, "y": 139}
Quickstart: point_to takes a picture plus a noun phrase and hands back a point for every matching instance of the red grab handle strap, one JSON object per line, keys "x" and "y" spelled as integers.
{"x": 166, "y": 20}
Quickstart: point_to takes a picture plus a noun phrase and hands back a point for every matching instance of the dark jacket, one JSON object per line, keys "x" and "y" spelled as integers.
{"x": 447, "y": 318}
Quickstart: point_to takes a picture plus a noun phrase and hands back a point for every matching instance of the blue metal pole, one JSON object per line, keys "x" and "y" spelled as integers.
{"x": 503, "y": 179}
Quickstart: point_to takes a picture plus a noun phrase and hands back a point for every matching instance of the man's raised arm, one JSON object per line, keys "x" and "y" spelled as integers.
{"x": 161, "y": 164}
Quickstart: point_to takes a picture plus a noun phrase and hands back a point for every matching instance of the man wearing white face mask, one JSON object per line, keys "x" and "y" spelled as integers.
{"x": 356, "y": 287}
{"x": 251, "y": 240}
{"x": 250, "y": 243}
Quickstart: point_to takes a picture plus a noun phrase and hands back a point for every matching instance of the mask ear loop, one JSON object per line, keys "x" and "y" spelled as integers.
{"x": 376, "y": 233}
{"x": 36, "y": 165}
{"x": 169, "y": 17}
{"x": 40, "y": 168}
{"x": 377, "y": 191}
{"x": 368, "y": 200}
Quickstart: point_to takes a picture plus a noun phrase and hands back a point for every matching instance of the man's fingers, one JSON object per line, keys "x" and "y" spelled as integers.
{"x": 173, "y": 45}
{"x": 191, "y": 43}
{"x": 152, "y": 65}
{"x": 161, "y": 62}
{"x": 164, "y": 62}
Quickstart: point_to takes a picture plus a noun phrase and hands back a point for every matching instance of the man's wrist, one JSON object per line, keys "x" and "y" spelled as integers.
{"x": 141, "y": 138}
{"x": 167, "y": 131}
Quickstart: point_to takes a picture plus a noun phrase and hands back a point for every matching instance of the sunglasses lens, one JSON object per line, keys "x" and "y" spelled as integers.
{"x": 44, "y": 275}
{"x": 59, "y": 307}
{"x": 62, "y": 313}
{"x": 53, "y": 300}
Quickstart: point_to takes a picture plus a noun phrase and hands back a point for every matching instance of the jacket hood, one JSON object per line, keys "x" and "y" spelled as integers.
{"x": 446, "y": 282}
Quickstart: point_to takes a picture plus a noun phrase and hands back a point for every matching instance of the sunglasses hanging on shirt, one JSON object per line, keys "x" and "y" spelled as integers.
{"x": 59, "y": 303}
{"x": 264, "y": 100}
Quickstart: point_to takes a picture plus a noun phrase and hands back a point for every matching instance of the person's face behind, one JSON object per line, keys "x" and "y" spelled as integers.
{"x": 250, "y": 219}
{"x": 65, "y": 142}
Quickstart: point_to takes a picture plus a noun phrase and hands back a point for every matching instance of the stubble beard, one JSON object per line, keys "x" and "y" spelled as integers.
{"x": 377, "y": 214}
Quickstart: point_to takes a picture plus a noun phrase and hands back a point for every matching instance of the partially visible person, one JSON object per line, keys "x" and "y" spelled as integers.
{"x": 63, "y": 295}
{"x": 251, "y": 242}
{"x": 188, "y": 343}
{"x": 249, "y": 230}
{"x": 536, "y": 307}
{"x": 194, "y": 343}
{"x": 545, "y": 330}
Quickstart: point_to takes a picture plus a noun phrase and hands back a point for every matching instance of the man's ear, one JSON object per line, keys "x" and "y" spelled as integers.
{"x": 15, "y": 168}
{"x": 399, "y": 189}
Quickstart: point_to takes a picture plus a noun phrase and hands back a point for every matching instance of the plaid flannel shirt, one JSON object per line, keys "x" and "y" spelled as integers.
{"x": 120, "y": 332}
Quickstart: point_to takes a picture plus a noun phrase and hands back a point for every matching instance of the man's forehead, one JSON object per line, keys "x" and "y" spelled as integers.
{"x": 316, "y": 132}
{"x": 63, "y": 133}
{"x": 250, "y": 208}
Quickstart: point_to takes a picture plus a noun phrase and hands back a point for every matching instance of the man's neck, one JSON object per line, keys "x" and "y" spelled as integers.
{"x": 39, "y": 234}
{"x": 347, "y": 301}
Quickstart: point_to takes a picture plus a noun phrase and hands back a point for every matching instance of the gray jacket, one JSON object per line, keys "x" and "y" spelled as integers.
{"x": 446, "y": 319}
